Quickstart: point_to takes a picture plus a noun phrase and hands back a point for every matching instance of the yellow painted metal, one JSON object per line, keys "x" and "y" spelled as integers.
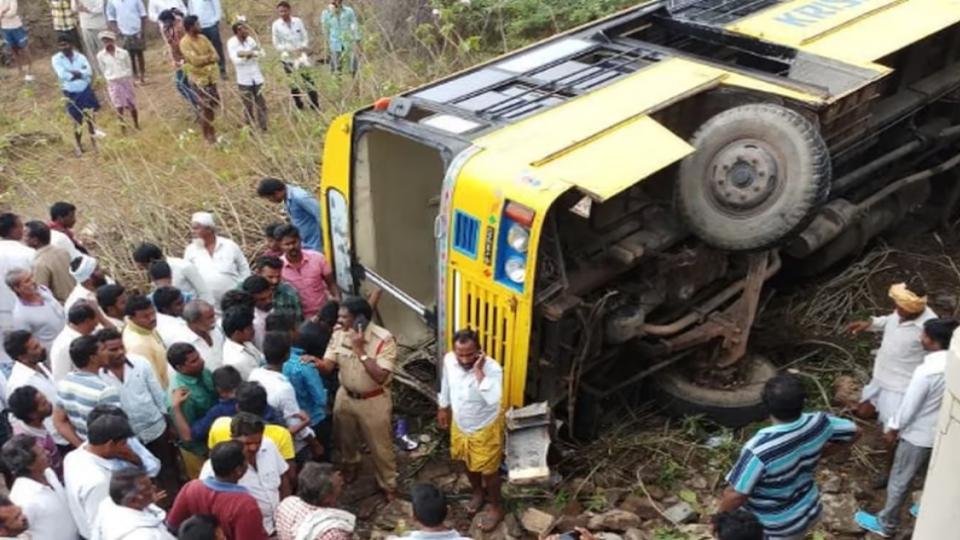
{"x": 335, "y": 174}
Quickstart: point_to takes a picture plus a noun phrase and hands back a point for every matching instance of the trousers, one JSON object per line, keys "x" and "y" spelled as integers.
{"x": 907, "y": 462}
{"x": 357, "y": 421}
{"x": 254, "y": 106}
{"x": 213, "y": 34}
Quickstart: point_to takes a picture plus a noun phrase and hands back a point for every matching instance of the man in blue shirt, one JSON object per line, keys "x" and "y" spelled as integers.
{"x": 301, "y": 206}
{"x": 208, "y": 14}
{"x": 311, "y": 395}
{"x": 343, "y": 35}
{"x": 74, "y": 74}
{"x": 773, "y": 478}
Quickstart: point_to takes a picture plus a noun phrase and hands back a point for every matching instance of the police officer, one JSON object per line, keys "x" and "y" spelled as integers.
{"x": 362, "y": 412}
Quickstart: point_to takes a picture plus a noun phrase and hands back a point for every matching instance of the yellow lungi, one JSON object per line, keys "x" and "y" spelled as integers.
{"x": 481, "y": 451}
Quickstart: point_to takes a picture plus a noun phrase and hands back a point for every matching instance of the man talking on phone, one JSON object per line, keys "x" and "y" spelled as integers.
{"x": 365, "y": 354}
{"x": 471, "y": 387}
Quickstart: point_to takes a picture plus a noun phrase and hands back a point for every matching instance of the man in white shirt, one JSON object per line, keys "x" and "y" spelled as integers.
{"x": 126, "y": 18}
{"x": 220, "y": 261}
{"x": 900, "y": 352}
{"x": 112, "y": 300}
{"x": 81, "y": 321}
{"x": 915, "y": 425}
{"x": 184, "y": 275}
{"x": 201, "y": 331}
{"x": 87, "y": 470}
{"x": 13, "y": 254}
{"x": 238, "y": 349}
{"x": 245, "y": 53}
{"x": 471, "y": 389}
{"x": 36, "y": 310}
{"x": 169, "y": 304}
{"x": 291, "y": 39}
{"x": 29, "y": 370}
{"x": 37, "y": 490}
{"x": 117, "y": 68}
{"x": 266, "y": 478}
{"x": 156, "y": 7}
{"x": 93, "y": 20}
{"x": 129, "y": 513}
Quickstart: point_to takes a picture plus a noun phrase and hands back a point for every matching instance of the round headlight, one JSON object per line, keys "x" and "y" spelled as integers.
{"x": 516, "y": 269}
{"x": 518, "y": 238}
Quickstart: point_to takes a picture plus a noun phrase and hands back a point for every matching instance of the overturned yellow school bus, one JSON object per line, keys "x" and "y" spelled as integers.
{"x": 606, "y": 205}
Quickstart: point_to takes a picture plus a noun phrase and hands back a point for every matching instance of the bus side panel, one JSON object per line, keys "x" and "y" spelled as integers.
{"x": 335, "y": 175}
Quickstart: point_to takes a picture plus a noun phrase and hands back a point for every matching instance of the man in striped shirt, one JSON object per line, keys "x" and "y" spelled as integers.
{"x": 774, "y": 476}
{"x": 82, "y": 390}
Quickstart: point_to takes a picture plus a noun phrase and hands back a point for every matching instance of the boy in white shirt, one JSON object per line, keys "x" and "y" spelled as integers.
{"x": 914, "y": 424}
{"x": 117, "y": 68}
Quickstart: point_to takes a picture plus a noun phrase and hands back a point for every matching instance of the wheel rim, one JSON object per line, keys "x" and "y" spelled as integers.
{"x": 744, "y": 178}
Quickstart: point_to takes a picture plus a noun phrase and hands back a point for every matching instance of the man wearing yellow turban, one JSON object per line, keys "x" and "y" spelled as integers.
{"x": 899, "y": 355}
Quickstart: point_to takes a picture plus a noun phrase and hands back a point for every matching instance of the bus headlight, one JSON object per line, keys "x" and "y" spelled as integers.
{"x": 516, "y": 269}
{"x": 518, "y": 238}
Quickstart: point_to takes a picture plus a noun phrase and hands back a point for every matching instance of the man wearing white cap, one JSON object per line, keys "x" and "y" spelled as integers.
{"x": 85, "y": 271}
{"x": 117, "y": 69}
{"x": 220, "y": 260}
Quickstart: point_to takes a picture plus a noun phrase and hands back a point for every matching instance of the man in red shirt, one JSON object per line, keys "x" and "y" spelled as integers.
{"x": 308, "y": 271}
{"x": 234, "y": 509}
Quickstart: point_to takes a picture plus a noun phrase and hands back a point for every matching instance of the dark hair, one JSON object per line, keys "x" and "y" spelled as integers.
{"x": 146, "y": 252}
{"x": 8, "y": 220}
{"x": 82, "y": 349}
{"x": 136, "y": 304}
{"x": 108, "y": 334}
{"x": 107, "y": 295}
{"x": 198, "y": 527}
{"x": 783, "y": 396}
{"x": 227, "y": 457}
{"x": 276, "y": 347}
{"x": 356, "y": 306}
{"x": 106, "y": 410}
{"x": 237, "y": 299}
{"x": 269, "y": 261}
{"x": 466, "y": 335}
{"x": 737, "y": 525}
{"x": 19, "y": 454}
{"x": 39, "y": 231}
{"x": 178, "y": 353}
{"x": 940, "y": 331}
{"x": 252, "y": 398}
{"x": 125, "y": 484}
{"x": 283, "y": 3}
{"x": 189, "y": 22}
{"x": 60, "y": 210}
{"x": 166, "y": 16}
{"x": 236, "y": 320}
{"x": 256, "y": 284}
{"x": 269, "y": 186}
{"x": 165, "y": 297}
{"x": 23, "y": 402}
{"x": 107, "y": 428}
{"x": 15, "y": 343}
{"x": 269, "y": 228}
{"x": 284, "y": 231}
{"x": 227, "y": 379}
{"x": 244, "y": 423}
{"x": 280, "y": 322}
{"x": 159, "y": 269}
{"x": 329, "y": 312}
{"x": 315, "y": 482}
{"x": 237, "y": 26}
{"x": 80, "y": 312}
{"x": 429, "y": 505}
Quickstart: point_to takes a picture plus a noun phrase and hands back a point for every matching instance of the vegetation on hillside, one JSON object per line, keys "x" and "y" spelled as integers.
{"x": 145, "y": 186}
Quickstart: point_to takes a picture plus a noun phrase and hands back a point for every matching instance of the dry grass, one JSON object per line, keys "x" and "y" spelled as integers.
{"x": 146, "y": 185}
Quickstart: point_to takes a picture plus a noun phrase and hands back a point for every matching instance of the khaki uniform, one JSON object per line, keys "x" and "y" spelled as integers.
{"x": 357, "y": 420}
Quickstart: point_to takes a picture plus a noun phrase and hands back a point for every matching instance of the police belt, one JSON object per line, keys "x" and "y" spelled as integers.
{"x": 364, "y": 395}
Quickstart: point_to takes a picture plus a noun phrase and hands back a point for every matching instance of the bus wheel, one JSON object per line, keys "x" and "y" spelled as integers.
{"x": 734, "y": 406}
{"x": 758, "y": 173}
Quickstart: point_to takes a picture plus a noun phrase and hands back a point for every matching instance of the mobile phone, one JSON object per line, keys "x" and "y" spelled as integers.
{"x": 360, "y": 323}
{"x": 571, "y": 535}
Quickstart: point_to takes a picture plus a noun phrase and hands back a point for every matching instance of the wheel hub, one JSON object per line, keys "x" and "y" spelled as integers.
{"x": 744, "y": 176}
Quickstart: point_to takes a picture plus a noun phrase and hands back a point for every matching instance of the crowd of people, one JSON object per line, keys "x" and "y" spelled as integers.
{"x": 213, "y": 398}
{"x": 106, "y": 39}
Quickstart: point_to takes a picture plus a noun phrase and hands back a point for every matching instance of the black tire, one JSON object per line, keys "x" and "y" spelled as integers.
{"x": 758, "y": 174}
{"x": 733, "y": 408}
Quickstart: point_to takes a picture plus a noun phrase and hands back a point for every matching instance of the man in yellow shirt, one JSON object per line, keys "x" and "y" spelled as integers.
{"x": 140, "y": 337}
{"x": 252, "y": 398}
{"x": 200, "y": 65}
